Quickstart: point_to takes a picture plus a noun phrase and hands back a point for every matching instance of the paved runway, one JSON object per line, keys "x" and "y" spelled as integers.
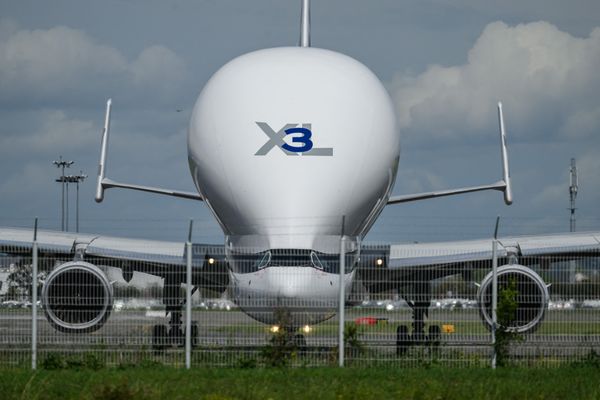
{"x": 234, "y": 328}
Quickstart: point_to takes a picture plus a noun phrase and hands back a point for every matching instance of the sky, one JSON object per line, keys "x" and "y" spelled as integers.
{"x": 445, "y": 64}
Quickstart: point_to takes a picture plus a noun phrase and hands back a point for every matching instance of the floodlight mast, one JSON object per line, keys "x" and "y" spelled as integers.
{"x": 66, "y": 179}
{"x": 80, "y": 178}
{"x": 62, "y": 164}
{"x": 76, "y": 179}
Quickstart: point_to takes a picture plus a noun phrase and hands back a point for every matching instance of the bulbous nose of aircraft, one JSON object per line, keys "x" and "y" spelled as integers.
{"x": 288, "y": 142}
{"x": 291, "y": 282}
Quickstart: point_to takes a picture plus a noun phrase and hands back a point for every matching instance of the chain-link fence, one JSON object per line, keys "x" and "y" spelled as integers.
{"x": 281, "y": 307}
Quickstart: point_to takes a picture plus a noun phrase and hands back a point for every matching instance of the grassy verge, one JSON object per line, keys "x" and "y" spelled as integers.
{"x": 318, "y": 383}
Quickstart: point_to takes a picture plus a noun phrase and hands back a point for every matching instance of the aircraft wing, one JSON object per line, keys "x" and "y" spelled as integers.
{"x": 402, "y": 263}
{"x": 159, "y": 258}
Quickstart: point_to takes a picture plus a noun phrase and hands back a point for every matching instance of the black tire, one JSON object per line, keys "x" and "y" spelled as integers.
{"x": 159, "y": 337}
{"x": 435, "y": 334}
{"x": 300, "y": 342}
{"x": 402, "y": 340}
{"x": 177, "y": 336}
{"x": 194, "y": 334}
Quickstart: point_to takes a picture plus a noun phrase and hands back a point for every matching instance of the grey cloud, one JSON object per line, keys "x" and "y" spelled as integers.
{"x": 582, "y": 123}
{"x": 54, "y": 132}
{"x": 60, "y": 63}
{"x": 26, "y": 183}
{"x": 588, "y": 167}
{"x": 414, "y": 180}
{"x": 588, "y": 170}
{"x": 158, "y": 66}
{"x": 156, "y": 56}
{"x": 546, "y": 77}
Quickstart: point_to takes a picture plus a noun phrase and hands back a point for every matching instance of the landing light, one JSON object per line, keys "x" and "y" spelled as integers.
{"x": 306, "y": 329}
{"x": 274, "y": 329}
{"x": 379, "y": 262}
{"x": 211, "y": 261}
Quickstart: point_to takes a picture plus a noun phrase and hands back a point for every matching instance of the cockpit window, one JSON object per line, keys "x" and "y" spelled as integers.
{"x": 245, "y": 262}
{"x": 264, "y": 261}
{"x": 290, "y": 258}
{"x": 314, "y": 258}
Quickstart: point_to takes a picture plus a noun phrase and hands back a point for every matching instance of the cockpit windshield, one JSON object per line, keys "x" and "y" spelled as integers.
{"x": 252, "y": 262}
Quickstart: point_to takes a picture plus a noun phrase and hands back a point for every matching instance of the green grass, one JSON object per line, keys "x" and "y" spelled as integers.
{"x": 318, "y": 383}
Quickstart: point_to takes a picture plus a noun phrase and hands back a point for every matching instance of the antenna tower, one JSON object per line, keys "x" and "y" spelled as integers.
{"x": 573, "y": 187}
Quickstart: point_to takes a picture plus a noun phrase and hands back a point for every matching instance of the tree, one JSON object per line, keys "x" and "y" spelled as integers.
{"x": 19, "y": 281}
{"x": 507, "y": 314}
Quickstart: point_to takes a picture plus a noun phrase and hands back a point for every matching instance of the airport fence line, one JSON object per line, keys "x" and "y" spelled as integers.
{"x": 258, "y": 308}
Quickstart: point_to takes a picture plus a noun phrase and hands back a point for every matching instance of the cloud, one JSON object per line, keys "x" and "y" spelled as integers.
{"x": 159, "y": 67}
{"x": 581, "y": 123}
{"x": 418, "y": 180}
{"x": 588, "y": 168}
{"x": 65, "y": 64}
{"x": 28, "y": 181}
{"x": 547, "y": 79}
{"x": 551, "y": 194}
{"x": 53, "y": 132}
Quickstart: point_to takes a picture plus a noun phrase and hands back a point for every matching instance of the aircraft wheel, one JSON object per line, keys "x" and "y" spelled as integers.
{"x": 299, "y": 341}
{"x": 194, "y": 333}
{"x": 434, "y": 334}
{"x": 176, "y": 336}
{"x": 159, "y": 337}
{"x": 402, "y": 340}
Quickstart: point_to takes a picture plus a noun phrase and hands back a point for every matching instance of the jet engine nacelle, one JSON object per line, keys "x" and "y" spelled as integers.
{"x": 532, "y": 297}
{"x": 77, "y": 297}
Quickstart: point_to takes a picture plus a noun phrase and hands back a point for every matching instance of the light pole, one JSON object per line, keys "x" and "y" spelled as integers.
{"x": 64, "y": 179}
{"x": 62, "y": 164}
{"x": 78, "y": 178}
{"x": 73, "y": 179}
{"x": 67, "y": 205}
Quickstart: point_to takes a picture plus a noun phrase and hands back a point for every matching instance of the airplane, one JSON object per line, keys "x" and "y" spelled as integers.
{"x": 292, "y": 149}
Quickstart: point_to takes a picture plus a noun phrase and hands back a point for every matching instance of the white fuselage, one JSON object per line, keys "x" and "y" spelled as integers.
{"x": 290, "y": 147}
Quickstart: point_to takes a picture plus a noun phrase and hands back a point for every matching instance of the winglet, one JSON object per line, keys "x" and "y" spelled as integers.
{"x": 508, "y": 198}
{"x": 502, "y": 185}
{"x": 103, "y": 150}
{"x": 105, "y": 183}
{"x": 305, "y": 24}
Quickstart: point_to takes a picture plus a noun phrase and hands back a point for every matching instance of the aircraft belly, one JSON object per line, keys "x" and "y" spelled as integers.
{"x": 291, "y": 295}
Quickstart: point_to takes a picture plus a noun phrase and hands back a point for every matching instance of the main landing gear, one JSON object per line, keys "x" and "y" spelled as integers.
{"x": 404, "y": 339}
{"x": 419, "y": 303}
{"x": 164, "y": 336}
{"x": 174, "y": 334}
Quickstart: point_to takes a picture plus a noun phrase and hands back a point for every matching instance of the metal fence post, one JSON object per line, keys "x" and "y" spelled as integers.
{"x": 494, "y": 292}
{"x": 34, "y": 277}
{"x": 342, "y": 290}
{"x": 188, "y": 300}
